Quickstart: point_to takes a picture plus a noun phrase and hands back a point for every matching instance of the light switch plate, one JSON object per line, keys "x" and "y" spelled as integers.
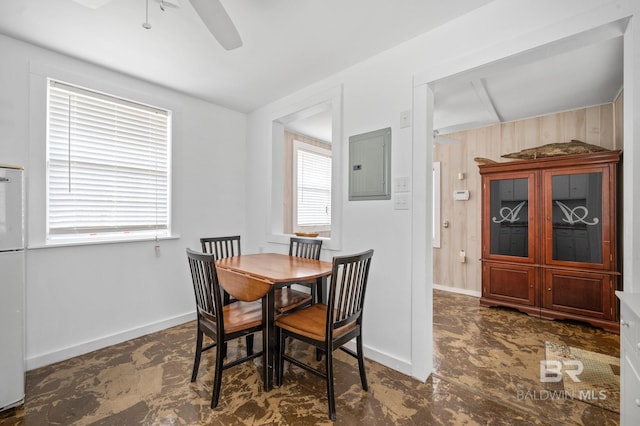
{"x": 401, "y": 184}
{"x": 401, "y": 202}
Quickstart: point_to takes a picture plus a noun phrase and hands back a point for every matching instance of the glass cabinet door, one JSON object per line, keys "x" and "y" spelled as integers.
{"x": 576, "y": 206}
{"x": 509, "y": 217}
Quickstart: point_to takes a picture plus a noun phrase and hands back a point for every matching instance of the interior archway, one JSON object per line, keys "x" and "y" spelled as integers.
{"x": 424, "y": 110}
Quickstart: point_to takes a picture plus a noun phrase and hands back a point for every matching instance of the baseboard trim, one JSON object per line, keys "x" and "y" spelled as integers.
{"x": 473, "y": 293}
{"x": 403, "y": 366}
{"x": 387, "y": 360}
{"x": 102, "y": 342}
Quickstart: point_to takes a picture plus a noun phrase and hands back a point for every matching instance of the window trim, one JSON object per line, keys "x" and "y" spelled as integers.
{"x": 280, "y": 116}
{"x": 152, "y": 232}
{"x": 435, "y": 236}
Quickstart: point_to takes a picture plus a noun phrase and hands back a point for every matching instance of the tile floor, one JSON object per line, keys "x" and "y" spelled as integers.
{"x": 486, "y": 371}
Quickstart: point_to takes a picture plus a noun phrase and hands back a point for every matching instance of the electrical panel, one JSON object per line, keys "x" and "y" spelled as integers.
{"x": 370, "y": 165}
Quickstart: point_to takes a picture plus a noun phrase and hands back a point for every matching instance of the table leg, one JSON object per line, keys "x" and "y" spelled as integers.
{"x": 268, "y": 338}
{"x": 321, "y": 290}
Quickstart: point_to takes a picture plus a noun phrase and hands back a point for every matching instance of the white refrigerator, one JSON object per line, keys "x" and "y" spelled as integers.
{"x": 12, "y": 288}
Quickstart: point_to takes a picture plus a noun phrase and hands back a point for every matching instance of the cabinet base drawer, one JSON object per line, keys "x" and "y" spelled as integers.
{"x": 515, "y": 284}
{"x": 579, "y": 293}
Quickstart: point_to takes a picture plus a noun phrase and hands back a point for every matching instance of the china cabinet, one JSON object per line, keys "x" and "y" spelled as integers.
{"x": 549, "y": 237}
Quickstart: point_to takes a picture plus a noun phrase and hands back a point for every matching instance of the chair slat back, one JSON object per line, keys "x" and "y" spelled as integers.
{"x": 347, "y": 289}
{"x": 309, "y": 248}
{"x": 206, "y": 287}
{"x": 221, "y": 247}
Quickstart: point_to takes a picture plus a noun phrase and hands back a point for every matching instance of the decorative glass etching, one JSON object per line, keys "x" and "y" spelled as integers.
{"x": 577, "y": 214}
{"x": 509, "y": 210}
{"x": 576, "y": 217}
{"x": 509, "y": 214}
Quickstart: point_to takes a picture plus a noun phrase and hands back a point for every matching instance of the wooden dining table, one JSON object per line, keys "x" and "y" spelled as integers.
{"x": 256, "y": 276}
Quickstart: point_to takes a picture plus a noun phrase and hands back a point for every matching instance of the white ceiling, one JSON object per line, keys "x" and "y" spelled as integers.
{"x": 289, "y": 44}
{"x": 577, "y": 72}
{"x": 317, "y": 126}
{"x": 581, "y": 71}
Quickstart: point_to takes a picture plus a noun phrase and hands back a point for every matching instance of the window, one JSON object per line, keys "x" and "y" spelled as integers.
{"x": 312, "y": 183}
{"x": 108, "y": 166}
{"x": 314, "y": 120}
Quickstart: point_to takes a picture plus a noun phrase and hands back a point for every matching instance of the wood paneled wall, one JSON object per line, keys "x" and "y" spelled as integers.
{"x": 598, "y": 125}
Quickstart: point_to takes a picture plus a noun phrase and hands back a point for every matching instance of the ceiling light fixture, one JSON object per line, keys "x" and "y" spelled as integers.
{"x": 92, "y": 4}
{"x": 211, "y": 12}
{"x": 146, "y": 25}
{"x": 162, "y": 3}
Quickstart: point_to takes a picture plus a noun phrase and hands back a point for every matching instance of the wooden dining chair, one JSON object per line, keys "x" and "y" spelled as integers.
{"x": 222, "y": 323}
{"x": 308, "y": 248}
{"x": 288, "y": 299}
{"x": 328, "y": 327}
{"x": 221, "y": 248}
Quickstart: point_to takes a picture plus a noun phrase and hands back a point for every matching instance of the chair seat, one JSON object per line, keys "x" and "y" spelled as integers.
{"x": 238, "y": 316}
{"x": 310, "y": 322}
{"x": 287, "y": 299}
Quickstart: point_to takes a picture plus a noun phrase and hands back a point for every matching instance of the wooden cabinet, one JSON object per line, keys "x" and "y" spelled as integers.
{"x": 549, "y": 237}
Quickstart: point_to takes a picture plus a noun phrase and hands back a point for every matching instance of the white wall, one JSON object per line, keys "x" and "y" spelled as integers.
{"x": 369, "y": 103}
{"x": 85, "y": 297}
{"x": 375, "y": 92}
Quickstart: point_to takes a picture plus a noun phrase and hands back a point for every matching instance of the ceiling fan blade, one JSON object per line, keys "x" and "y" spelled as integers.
{"x": 219, "y": 23}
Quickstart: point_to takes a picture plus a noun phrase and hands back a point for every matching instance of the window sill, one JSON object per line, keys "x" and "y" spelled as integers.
{"x": 71, "y": 243}
{"x": 328, "y": 243}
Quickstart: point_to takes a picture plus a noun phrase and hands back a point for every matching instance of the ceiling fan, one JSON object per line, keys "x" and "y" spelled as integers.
{"x": 211, "y": 12}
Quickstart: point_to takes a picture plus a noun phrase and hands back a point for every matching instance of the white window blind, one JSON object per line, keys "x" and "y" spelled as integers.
{"x": 313, "y": 186}
{"x": 108, "y": 165}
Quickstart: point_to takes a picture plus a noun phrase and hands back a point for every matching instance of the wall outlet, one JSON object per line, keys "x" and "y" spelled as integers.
{"x": 462, "y": 257}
